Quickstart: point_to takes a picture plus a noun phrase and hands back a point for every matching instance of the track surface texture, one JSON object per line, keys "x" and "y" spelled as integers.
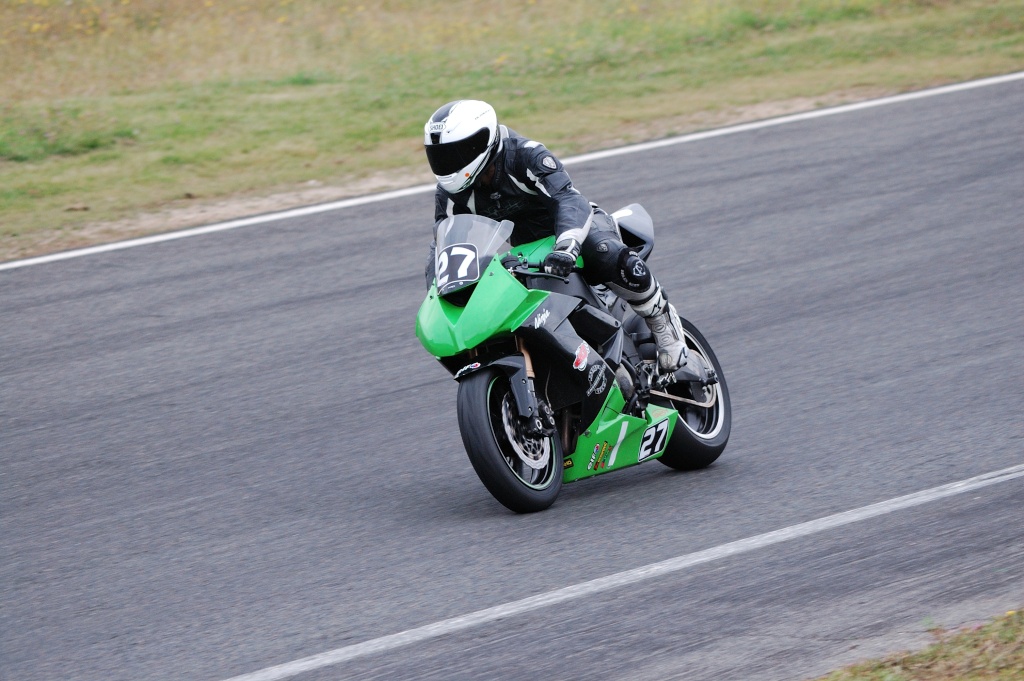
{"x": 228, "y": 452}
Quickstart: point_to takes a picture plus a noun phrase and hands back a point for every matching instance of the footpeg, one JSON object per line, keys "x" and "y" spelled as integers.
{"x": 694, "y": 371}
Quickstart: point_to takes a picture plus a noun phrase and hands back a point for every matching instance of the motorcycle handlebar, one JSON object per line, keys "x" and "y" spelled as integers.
{"x": 527, "y": 267}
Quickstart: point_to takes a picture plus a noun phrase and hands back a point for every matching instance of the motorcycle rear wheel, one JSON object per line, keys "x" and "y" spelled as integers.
{"x": 700, "y": 434}
{"x": 522, "y": 472}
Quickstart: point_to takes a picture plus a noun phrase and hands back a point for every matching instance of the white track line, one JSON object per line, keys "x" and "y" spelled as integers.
{"x": 217, "y": 227}
{"x": 621, "y": 579}
{"x": 584, "y": 158}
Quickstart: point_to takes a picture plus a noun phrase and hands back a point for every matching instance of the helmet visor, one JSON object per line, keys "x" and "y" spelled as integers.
{"x": 451, "y": 157}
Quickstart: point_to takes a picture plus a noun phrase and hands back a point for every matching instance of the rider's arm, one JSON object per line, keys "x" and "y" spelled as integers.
{"x": 546, "y": 174}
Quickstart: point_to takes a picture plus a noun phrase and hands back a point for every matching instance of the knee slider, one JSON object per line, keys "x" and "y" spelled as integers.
{"x": 633, "y": 272}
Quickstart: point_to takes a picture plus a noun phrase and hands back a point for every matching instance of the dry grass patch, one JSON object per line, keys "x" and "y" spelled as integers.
{"x": 993, "y": 652}
{"x": 112, "y": 108}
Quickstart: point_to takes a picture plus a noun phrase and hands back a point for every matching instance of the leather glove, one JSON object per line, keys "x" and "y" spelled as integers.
{"x": 562, "y": 261}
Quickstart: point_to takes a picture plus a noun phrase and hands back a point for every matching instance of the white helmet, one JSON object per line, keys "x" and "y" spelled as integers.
{"x": 461, "y": 138}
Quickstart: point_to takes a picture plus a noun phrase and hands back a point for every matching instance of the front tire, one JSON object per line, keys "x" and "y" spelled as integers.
{"x": 700, "y": 434}
{"x": 522, "y": 472}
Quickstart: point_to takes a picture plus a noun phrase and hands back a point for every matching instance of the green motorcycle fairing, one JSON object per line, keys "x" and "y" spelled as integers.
{"x": 616, "y": 440}
{"x": 499, "y": 306}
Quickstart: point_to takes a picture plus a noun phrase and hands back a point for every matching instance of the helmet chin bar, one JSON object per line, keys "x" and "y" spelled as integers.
{"x": 465, "y": 179}
{"x": 451, "y": 183}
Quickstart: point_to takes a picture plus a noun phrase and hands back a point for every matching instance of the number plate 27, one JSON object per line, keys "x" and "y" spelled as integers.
{"x": 653, "y": 441}
{"x": 457, "y": 266}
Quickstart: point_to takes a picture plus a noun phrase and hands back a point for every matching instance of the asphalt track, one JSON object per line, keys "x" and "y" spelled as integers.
{"x": 228, "y": 452}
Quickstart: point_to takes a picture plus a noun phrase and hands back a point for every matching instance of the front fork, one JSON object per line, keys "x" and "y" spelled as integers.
{"x": 540, "y": 420}
{"x": 527, "y": 361}
{"x": 535, "y": 414}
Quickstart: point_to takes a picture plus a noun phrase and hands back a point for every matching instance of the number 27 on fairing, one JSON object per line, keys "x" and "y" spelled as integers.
{"x": 466, "y": 269}
{"x": 653, "y": 440}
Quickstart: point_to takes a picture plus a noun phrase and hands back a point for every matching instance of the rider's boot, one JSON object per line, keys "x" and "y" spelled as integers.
{"x": 663, "y": 321}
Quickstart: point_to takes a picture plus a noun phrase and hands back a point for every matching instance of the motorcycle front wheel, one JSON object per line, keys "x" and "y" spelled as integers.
{"x": 520, "y": 470}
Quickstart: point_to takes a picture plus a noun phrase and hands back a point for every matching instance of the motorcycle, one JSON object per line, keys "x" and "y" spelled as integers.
{"x": 559, "y": 380}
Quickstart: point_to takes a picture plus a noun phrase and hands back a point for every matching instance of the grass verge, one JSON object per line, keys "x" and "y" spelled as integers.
{"x": 993, "y": 652}
{"x": 115, "y": 108}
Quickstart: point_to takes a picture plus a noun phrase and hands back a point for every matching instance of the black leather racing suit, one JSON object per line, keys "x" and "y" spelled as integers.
{"x": 531, "y": 188}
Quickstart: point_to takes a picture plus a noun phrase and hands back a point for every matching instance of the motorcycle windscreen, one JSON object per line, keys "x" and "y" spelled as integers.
{"x": 466, "y": 244}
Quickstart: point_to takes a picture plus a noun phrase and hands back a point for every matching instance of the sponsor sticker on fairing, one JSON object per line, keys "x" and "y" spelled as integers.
{"x": 599, "y": 459}
{"x": 580, "y": 361}
{"x": 598, "y": 379}
{"x": 466, "y": 369}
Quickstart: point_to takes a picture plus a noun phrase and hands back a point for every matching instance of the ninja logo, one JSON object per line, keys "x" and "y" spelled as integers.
{"x": 539, "y": 320}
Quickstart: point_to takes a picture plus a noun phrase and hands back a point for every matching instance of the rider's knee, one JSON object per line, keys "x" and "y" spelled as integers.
{"x": 609, "y": 261}
{"x": 633, "y": 273}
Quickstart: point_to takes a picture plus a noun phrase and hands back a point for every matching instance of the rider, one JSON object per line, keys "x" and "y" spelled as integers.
{"x": 486, "y": 169}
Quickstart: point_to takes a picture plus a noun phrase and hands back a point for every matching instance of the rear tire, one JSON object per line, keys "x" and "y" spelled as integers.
{"x": 524, "y": 473}
{"x": 700, "y": 434}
